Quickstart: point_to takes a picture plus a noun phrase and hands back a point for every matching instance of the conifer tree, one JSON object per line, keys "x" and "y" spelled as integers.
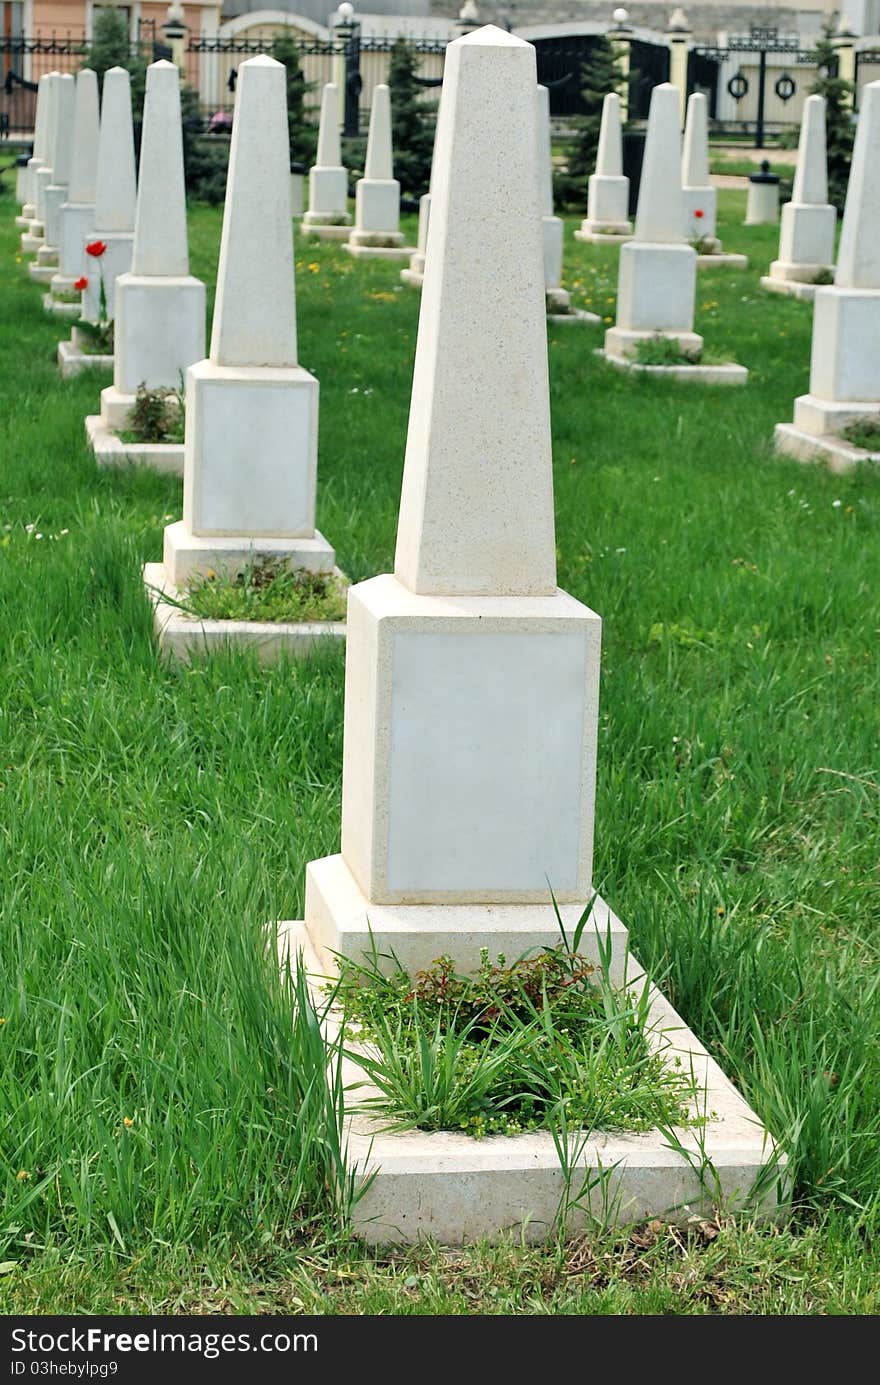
{"x": 411, "y": 129}
{"x": 303, "y": 132}
{"x": 600, "y": 74}
{"x": 111, "y": 46}
{"x": 839, "y": 125}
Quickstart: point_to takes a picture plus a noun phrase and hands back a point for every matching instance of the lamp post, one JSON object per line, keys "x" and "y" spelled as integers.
{"x": 174, "y": 31}
{"x": 347, "y": 66}
{"x": 678, "y": 35}
{"x": 620, "y": 37}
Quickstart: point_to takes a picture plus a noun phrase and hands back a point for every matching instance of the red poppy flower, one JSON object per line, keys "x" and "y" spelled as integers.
{"x": 81, "y": 284}
{"x": 96, "y": 249}
{"x": 697, "y": 214}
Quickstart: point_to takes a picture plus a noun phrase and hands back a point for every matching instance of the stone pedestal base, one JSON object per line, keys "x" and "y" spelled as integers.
{"x": 762, "y": 206}
{"x": 806, "y": 238}
{"x": 75, "y": 222}
{"x": 110, "y": 450}
{"x": 603, "y": 233}
{"x": 728, "y": 373}
{"x": 382, "y": 245}
{"x": 455, "y": 1189}
{"x": 328, "y": 197}
{"x": 656, "y": 291}
{"x": 377, "y": 209}
{"x": 182, "y": 636}
{"x": 23, "y": 222}
{"x": 553, "y": 231}
{"x": 845, "y": 359}
{"x": 41, "y": 273}
{"x": 59, "y": 308}
{"x": 790, "y": 287}
{"x": 621, "y": 344}
{"x": 414, "y": 275}
{"x": 559, "y": 308}
{"x": 836, "y": 453}
{"x": 187, "y": 554}
{"x": 607, "y": 204}
{"x": 787, "y": 271}
{"x": 47, "y": 256}
{"x": 701, "y": 200}
{"x": 159, "y": 331}
{"x": 72, "y": 360}
{"x": 28, "y": 213}
{"x": 115, "y": 260}
{"x": 819, "y": 417}
{"x": 338, "y": 231}
{"x": 719, "y": 259}
{"x": 30, "y": 243}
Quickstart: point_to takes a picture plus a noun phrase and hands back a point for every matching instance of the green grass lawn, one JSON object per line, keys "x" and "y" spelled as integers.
{"x": 153, "y": 819}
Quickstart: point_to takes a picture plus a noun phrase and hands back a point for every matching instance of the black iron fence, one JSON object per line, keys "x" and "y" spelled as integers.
{"x": 23, "y": 61}
{"x": 756, "y": 84}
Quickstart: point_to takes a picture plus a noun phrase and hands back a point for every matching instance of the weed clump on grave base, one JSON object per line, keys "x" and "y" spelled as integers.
{"x": 865, "y": 432}
{"x": 266, "y": 590}
{"x": 157, "y": 416}
{"x": 543, "y": 1042}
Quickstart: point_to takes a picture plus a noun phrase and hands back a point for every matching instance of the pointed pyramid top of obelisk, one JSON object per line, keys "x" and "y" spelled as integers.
{"x": 329, "y": 147}
{"x": 695, "y": 163}
{"x": 62, "y": 150}
{"x": 811, "y": 175}
{"x": 609, "y": 159}
{"x": 115, "y": 184}
{"x": 858, "y": 258}
{"x": 476, "y": 510}
{"x": 255, "y": 309}
{"x": 545, "y": 153}
{"x": 660, "y": 214}
{"x": 160, "y": 245}
{"x": 380, "y": 160}
{"x": 84, "y": 169}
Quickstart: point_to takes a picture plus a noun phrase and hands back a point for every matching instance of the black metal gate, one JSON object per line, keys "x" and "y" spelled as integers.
{"x": 560, "y": 68}
{"x": 767, "y": 78}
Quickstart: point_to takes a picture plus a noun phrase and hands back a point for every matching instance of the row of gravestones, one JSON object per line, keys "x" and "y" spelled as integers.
{"x": 472, "y": 680}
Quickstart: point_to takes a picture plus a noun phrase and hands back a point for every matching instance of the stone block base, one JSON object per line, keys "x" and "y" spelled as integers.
{"x": 72, "y": 360}
{"x": 722, "y": 260}
{"x": 788, "y": 271}
{"x": 41, "y": 273}
{"x": 187, "y": 554}
{"x": 836, "y": 453}
{"x": 728, "y": 373}
{"x": 23, "y": 222}
{"x": 790, "y": 287}
{"x": 819, "y": 417}
{"x": 48, "y": 255}
{"x": 110, "y": 450}
{"x": 182, "y": 636}
{"x": 30, "y": 243}
{"x": 412, "y": 278}
{"x": 454, "y": 1189}
{"x": 365, "y": 245}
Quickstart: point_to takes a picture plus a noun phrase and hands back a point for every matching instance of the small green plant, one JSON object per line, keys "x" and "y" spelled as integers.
{"x": 704, "y": 245}
{"x": 156, "y": 416}
{"x": 267, "y": 590}
{"x": 865, "y": 432}
{"x": 516, "y": 1047}
{"x": 663, "y": 351}
{"x": 824, "y": 276}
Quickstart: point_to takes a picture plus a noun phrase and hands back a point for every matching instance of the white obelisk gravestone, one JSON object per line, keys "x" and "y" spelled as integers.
{"x": 328, "y": 179}
{"x": 29, "y": 209}
{"x": 251, "y": 411}
{"x": 845, "y": 364}
{"x": 607, "y": 216}
{"x": 62, "y": 161}
{"x": 160, "y": 308}
{"x": 115, "y": 197}
{"x": 376, "y": 230}
{"x": 658, "y": 269}
{"x": 35, "y": 235}
{"x": 699, "y": 198}
{"x": 809, "y": 222}
{"x": 414, "y": 273}
{"x": 471, "y": 679}
{"x": 78, "y": 212}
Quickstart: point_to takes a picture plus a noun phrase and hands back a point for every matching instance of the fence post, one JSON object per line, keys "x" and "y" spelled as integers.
{"x": 845, "y": 47}
{"x": 678, "y": 36}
